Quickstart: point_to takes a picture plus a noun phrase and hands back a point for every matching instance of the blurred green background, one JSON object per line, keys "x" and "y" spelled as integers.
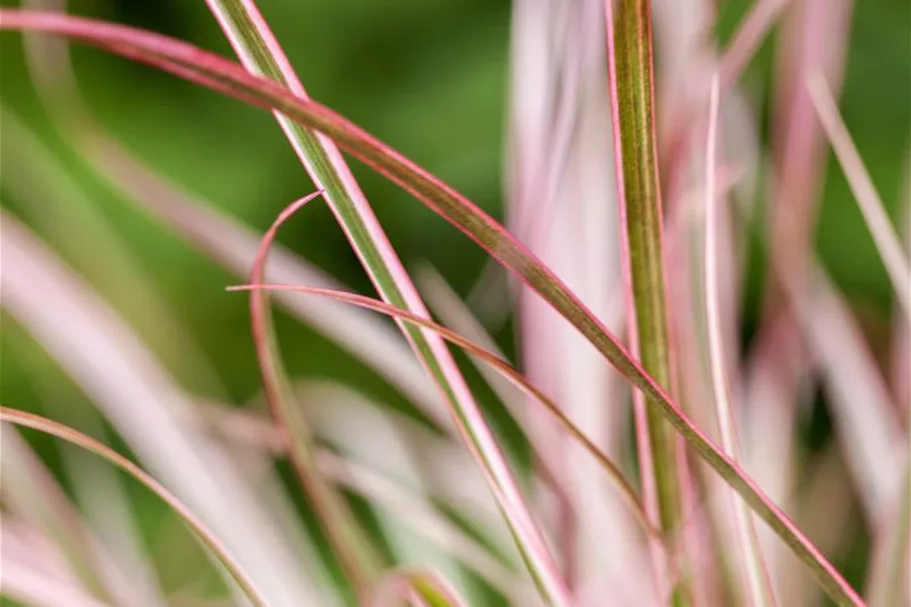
{"x": 428, "y": 77}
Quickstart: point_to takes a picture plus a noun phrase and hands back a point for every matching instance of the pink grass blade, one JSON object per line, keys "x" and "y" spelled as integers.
{"x": 348, "y": 541}
{"x": 354, "y": 425}
{"x": 813, "y": 38}
{"x": 766, "y": 392}
{"x": 758, "y": 584}
{"x": 199, "y": 66}
{"x": 454, "y": 313}
{"x": 260, "y": 52}
{"x": 102, "y": 496}
{"x": 871, "y": 437}
{"x": 823, "y": 490}
{"x": 211, "y": 541}
{"x": 32, "y": 547}
{"x": 561, "y": 203}
{"x": 534, "y": 157}
{"x": 494, "y": 361}
{"x": 445, "y": 303}
{"x": 435, "y": 465}
{"x": 382, "y": 469}
{"x": 900, "y": 379}
{"x": 446, "y": 469}
{"x": 871, "y": 206}
{"x": 750, "y": 33}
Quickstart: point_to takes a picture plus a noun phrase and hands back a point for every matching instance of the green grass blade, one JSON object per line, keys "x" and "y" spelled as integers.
{"x": 636, "y": 165}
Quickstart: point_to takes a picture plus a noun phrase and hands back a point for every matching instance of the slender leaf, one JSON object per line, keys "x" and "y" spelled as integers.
{"x": 561, "y": 203}
{"x": 871, "y": 437}
{"x": 629, "y": 59}
{"x": 888, "y": 579}
{"x": 758, "y": 584}
{"x": 352, "y": 547}
{"x": 752, "y": 30}
{"x": 871, "y": 206}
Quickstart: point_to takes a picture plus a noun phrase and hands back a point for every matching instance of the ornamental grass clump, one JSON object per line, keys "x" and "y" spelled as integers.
{"x": 655, "y": 440}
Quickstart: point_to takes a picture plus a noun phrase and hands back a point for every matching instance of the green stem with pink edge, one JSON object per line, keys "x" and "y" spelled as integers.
{"x": 629, "y": 43}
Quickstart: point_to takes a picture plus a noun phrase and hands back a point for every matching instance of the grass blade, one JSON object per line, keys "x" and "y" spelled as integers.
{"x": 871, "y": 206}
{"x": 888, "y": 578}
{"x": 405, "y": 470}
{"x": 211, "y": 541}
{"x": 216, "y": 235}
{"x": 871, "y": 437}
{"x": 455, "y": 313}
{"x": 444, "y": 470}
{"x": 750, "y": 33}
{"x": 561, "y": 203}
{"x": 349, "y": 543}
{"x": 629, "y": 48}
{"x": 104, "y": 552}
{"x": 234, "y": 246}
{"x": 260, "y": 52}
{"x": 760, "y": 591}
{"x": 205, "y": 68}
